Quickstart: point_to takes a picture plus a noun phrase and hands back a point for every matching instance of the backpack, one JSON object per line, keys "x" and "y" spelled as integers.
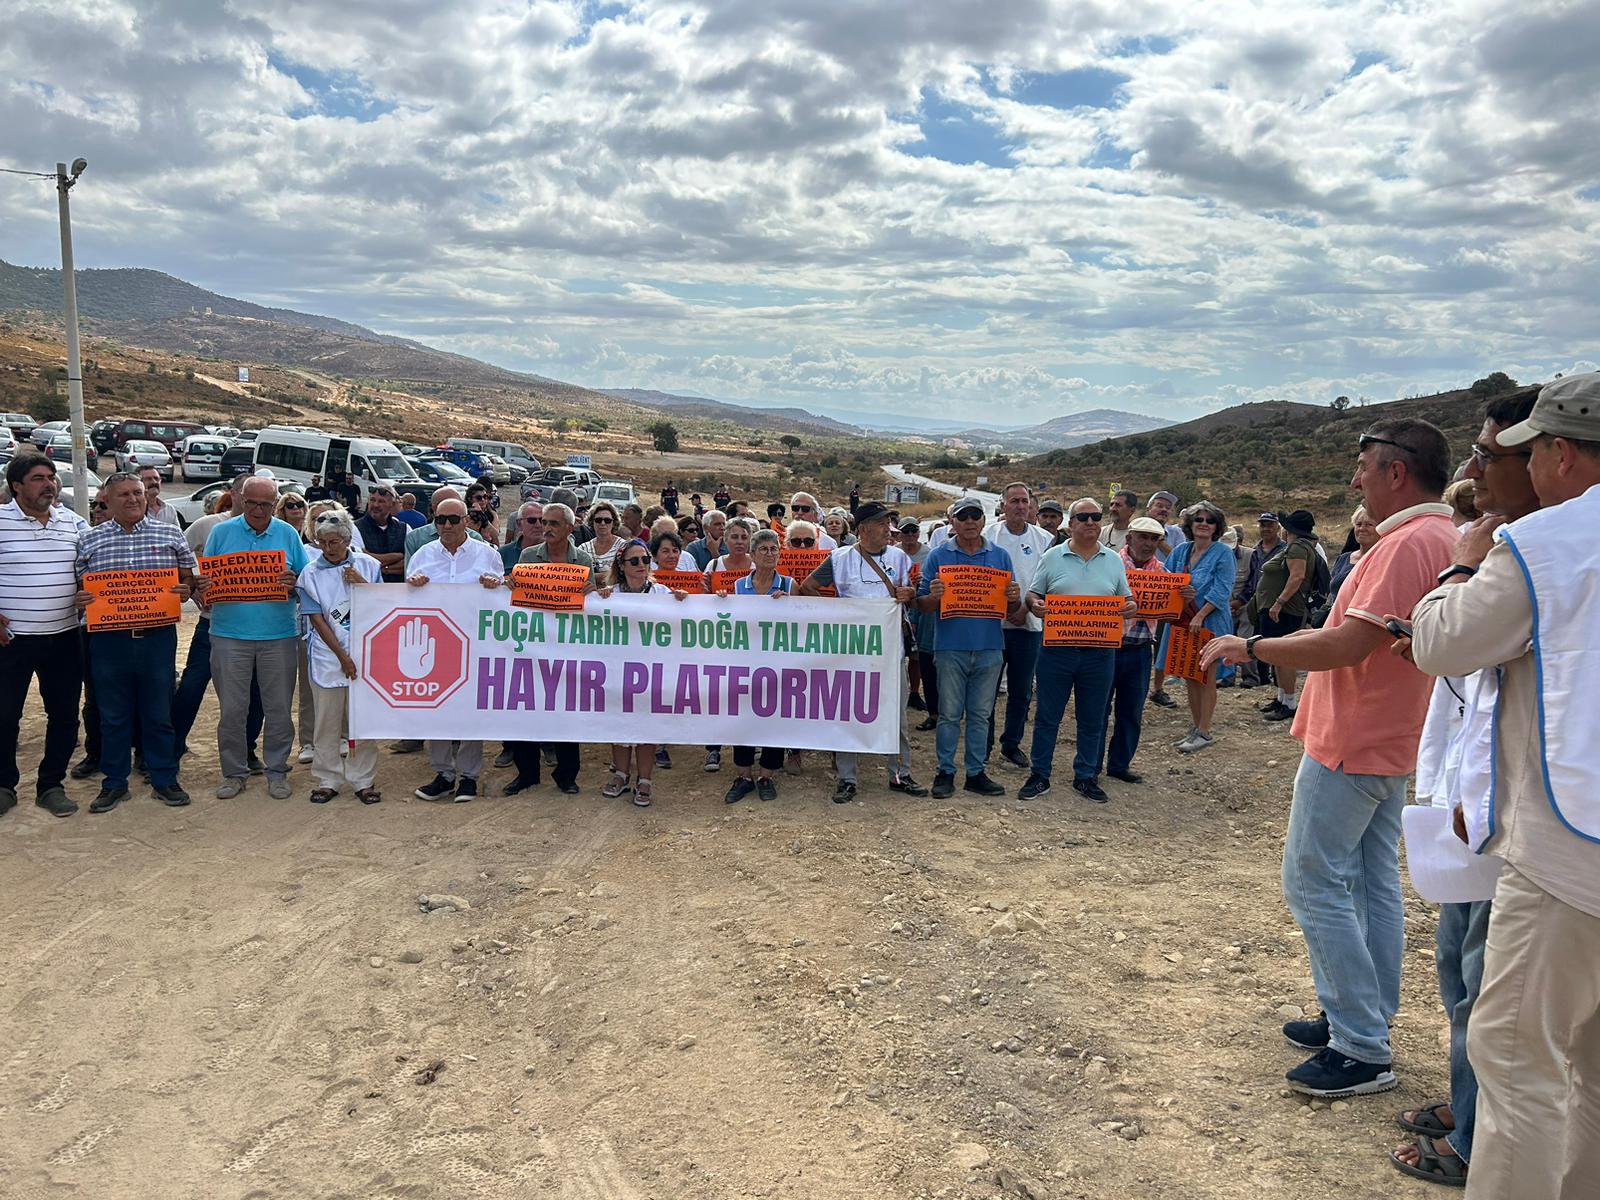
{"x": 1317, "y": 603}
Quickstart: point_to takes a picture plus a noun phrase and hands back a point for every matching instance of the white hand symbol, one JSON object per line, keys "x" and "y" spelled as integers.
{"x": 415, "y": 656}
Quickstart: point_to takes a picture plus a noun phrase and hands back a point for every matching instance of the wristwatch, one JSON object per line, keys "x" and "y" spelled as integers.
{"x": 1250, "y": 644}
{"x": 1457, "y": 569}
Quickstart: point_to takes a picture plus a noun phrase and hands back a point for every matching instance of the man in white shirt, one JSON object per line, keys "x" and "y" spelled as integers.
{"x": 454, "y": 558}
{"x": 875, "y": 569}
{"x": 1024, "y": 632}
{"x": 154, "y": 507}
{"x": 1124, "y": 507}
{"x": 39, "y": 627}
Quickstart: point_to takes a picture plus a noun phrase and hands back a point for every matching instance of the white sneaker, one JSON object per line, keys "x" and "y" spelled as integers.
{"x": 307, "y": 753}
{"x": 1196, "y": 741}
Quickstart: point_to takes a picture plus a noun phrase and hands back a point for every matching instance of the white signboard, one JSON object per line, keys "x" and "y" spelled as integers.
{"x": 244, "y": 374}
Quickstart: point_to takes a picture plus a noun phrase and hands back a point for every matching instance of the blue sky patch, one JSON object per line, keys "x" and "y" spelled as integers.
{"x": 1135, "y": 47}
{"x": 1086, "y": 87}
{"x": 957, "y": 134}
{"x": 336, "y": 93}
{"x": 1365, "y": 59}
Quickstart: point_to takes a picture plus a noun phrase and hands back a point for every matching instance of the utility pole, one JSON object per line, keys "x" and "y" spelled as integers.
{"x": 80, "y": 458}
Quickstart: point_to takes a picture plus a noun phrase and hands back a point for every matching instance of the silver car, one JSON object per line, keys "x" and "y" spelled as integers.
{"x": 132, "y": 456}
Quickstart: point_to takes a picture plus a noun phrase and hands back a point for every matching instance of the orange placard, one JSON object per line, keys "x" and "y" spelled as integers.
{"x": 557, "y": 587}
{"x": 1183, "y": 652}
{"x": 1083, "y": 620}
{"x": 131, "y": 599}
{"x": 797, "y": 562}
{"x": 245, "y": 577}
{"x": 973, "y": 592}
{"x": 682, "y": 581}
{"x": 723, "y": 581}
{"x": 1157, "y": 593}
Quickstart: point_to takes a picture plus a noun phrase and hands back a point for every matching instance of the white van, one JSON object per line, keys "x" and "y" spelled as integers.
{"x": 515, "y": 454}
{"x": 297, "y": 452}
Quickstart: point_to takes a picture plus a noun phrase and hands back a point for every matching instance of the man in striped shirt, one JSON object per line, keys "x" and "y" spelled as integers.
{"x": 135, "y": 667}
{"x": 38, "y": 627}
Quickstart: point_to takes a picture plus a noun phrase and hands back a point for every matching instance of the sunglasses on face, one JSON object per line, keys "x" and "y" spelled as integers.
{"x": 603, "y": 521}
{"x": 449, "y": 519}
{"x": 532, "y": 520}
{"x": 1087, "y": 516}
{"x": 293, "y": 504}
{"x": 1204, "y": 520}
{"x": 803, "y": 508}
{"x": 802, "y": 542}
{"x": 636, "y": 561}
{"x": 969, "y": 515}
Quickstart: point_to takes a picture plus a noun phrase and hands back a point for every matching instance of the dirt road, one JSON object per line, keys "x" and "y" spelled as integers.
{"x": 895, "y": 999}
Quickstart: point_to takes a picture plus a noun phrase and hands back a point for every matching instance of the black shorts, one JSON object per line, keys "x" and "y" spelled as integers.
{"x": 1282, "y": 627}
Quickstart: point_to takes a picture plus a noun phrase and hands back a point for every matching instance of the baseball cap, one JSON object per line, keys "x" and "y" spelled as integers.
{"x": 1265, "y": 517}
{"x": 871, "y": 511}
{"x": 965, "y": 504}
{"x": 1568, "y": 408}
{"x": 911, "y": 523}
{"x": 1147, "y": 525}
{"x": 1051, "y": 506}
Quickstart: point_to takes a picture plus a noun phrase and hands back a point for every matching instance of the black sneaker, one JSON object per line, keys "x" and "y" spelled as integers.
{"x": 1015, "y": 756}
{"x": 569, "y": 789}
{"x": 85, "y": 768}
{"x": 766, "y": 789}
{"x": 844, "y": 792}
{"x": 504, "y": 759}
{"x": 1127, "y": 776}
{"x": 1308, "y": 1035}
{"x": 1282, "y": 713}
{"x": 108, "y": 799}
{"x": 944, "y": 786}
{"x": 983, "y": 785}
{"x": 713, "y": 762}
{"x": 1331, "y": 1075}
{"x": 741, "y": 788}
{"x": 57, "y": 803}
{"x": 928, "y": 724}
{"x": 1272, "y": 705}
{"x": 172, "y": 796}
{"x": 1033, "y": 787}
{"x": 466, "y": 789}
{"x": 405, "y": 746}
{"x": 438, "y": 789}
{"x": 255, "y": 765}
{"x": 1090, "y": 790}
{"x": 663, "y": 759}
{"x": 906, "y": 784}
{"x": 1163, "y": 700}
{"x": 915, "y": 702}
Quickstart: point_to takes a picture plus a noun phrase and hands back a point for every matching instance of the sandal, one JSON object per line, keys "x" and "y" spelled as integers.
{"x": 617, "y": 785}
{"x": 641, "y": 794}
{"x": 1448, "y": 1169}
{"x": 323, "y": 795}
{"x": 1427, "y": 1121}
{"x": 369, "y": 795}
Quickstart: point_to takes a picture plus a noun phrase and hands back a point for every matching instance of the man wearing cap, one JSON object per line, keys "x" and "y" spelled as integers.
{"x": 1130, "y": 679}
{"x": 968, "y": 651}
{"x": 1360, "y": 719}
{"x": 1051, "y": 517}
{"x": 1023, "y": 631}
{"x": 1081, "y": 566}
{"x": 874, "y": 569}
{"x": 1162, "y": 506}
{"x": 1124, "y": 507}
{"x": 1521, "y": 598}
{"x": 1270, "y": 542}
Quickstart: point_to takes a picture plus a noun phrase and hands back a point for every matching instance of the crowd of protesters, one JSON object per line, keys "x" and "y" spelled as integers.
{"x": 1450, "y": 640}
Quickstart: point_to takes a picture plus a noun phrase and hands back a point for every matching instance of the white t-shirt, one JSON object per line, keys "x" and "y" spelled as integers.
{"x": 854, "y": 576}
{"x": 471, "y": 559}
{"x": 1026, "y": 549}
{"x": 323, "y": 590}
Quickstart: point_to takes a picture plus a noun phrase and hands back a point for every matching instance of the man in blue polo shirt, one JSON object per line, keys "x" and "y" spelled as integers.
{"x": 1080, "y": 566}
{"x": 259, "y": 637}
{"x": 968, "y": 651}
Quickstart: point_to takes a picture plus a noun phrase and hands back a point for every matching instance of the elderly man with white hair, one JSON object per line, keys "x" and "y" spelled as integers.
{"x": 803, "y": 507}
{"x": 259, "y": 637}
{"x": 324, "y": 594}
{"x": 424, "y": 534}
{"x": 455, "y": 558}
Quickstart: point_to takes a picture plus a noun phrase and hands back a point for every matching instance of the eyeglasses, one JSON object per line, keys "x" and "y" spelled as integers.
{"x": 802, "y": 542}
{"x": 1367, "y": 439}
{"x": 636, "y": 561}
{"x": 449, "y": 519}
{"x": 603, "y": 521}
{"x": 1483, "y": 456}
{"x": 267, "y": 504}
{"x": 1094, "y": 516}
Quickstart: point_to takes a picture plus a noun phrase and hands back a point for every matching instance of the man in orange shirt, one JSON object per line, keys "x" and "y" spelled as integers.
{"x": 1360, "y": 719}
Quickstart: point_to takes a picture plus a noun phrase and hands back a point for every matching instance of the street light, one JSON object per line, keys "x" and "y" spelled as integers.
{"x": 69, "y": 288}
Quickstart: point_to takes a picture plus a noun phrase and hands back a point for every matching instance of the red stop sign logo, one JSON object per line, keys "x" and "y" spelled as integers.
{"x": 416, "y": 658}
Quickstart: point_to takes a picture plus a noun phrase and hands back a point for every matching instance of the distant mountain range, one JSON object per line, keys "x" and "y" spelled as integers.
{"x": 1073, "y": 429}
{"x": 745, "y": 414}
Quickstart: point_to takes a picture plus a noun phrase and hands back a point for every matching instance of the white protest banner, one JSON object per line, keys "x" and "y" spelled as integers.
{"x": 458, "y": 661}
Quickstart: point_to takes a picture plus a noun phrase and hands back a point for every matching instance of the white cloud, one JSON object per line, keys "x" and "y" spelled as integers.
{"x": 748, "y": 200}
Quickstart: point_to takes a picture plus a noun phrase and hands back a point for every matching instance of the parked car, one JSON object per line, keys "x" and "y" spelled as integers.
{"x": 519, "y": 475}
{"x": 542, "y": 484}
{"x": 201, "y": 456}
{"x": 499, "y": 469}
{"x": 8, "y": 444}
{"x": 247, "y": 435}
{"x": 470, "y": 461}
{"x": 412, "y": 450}
{"x": 439, "y": 472}
{"x": 192, "y": 507}
{"x": 298, "y": 452}
{"x": 133, "y": 456}
{"x": 69, "y": 486}
{"x": 41, "y": 434}
{"x": 20, "y": 424}
{"x": 238, "y": 458}
{"x": 514, "y": 453}
{"x": 227, "y": 433}
{"x": 103, "y": 436}
{"x": 60, "y": 448}
{"x": 620, "y": 494}
{"x": 170, "y": 434}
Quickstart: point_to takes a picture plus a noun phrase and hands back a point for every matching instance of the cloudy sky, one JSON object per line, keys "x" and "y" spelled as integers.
{"x": 996, "y": 209}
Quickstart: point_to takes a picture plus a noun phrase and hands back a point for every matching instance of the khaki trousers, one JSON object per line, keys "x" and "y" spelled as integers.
{"x": 330, "y": 768}
{"x": 1534, "y": 1040}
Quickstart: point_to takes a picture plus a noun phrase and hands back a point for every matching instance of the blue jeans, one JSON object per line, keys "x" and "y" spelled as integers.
{"x": 1061, "y": 671}
{"x": 135, "y": 673}
{"x": 1021, "y": 662}
{"x": 1463, "y": 931}
{"x": 966, "y": 688}
{"x": 1341, "y": 877}
{"x": 1130, "y": 687}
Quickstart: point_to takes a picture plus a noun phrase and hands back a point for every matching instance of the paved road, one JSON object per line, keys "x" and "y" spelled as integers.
{"x": 897, "y": 472}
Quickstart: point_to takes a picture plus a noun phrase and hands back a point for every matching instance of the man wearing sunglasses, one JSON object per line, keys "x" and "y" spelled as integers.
{"x": 416, "y": 539}
{"x": 1023, "y": 632}
{"x": 803, "y": 507}
{"x": 1360, "y": 718}
{"x": 525, "y": 535}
